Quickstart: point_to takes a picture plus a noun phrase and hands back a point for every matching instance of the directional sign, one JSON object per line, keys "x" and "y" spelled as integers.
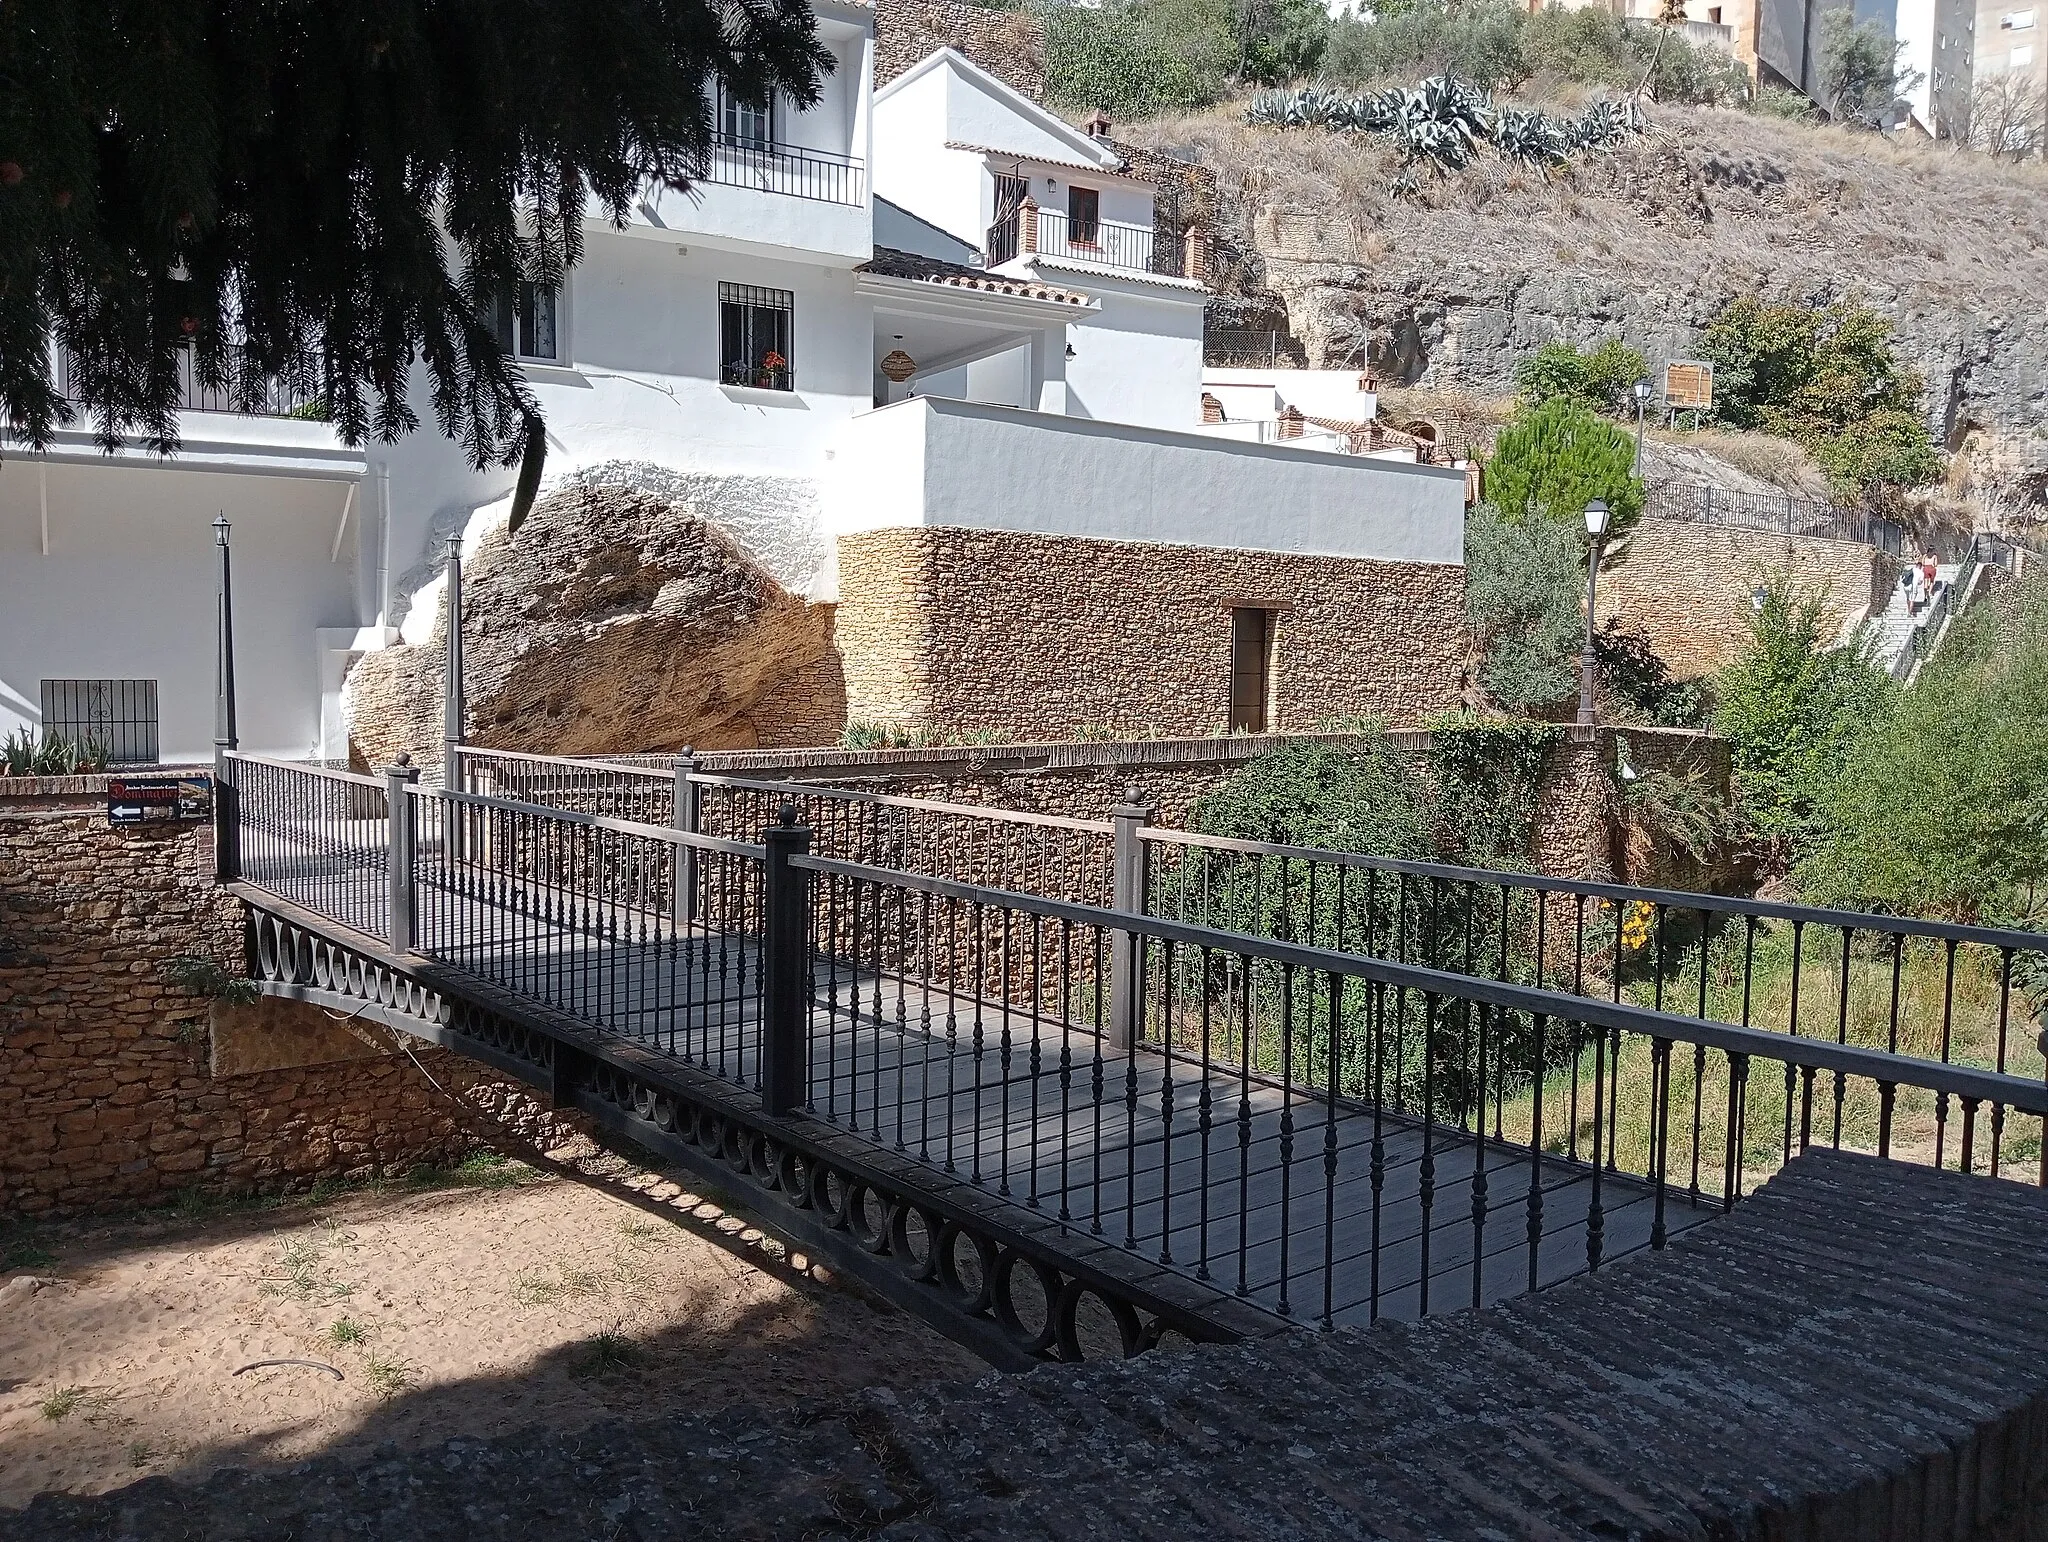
{"x": 148, "y": 800}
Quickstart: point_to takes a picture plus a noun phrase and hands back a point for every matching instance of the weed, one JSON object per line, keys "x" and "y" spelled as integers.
{"x": 25, "y": 1255}
{"x": 540, "y": 1288}
{"x": 388, "y": 1375}
{"x": 303, "y": 1274}
{"x": 642, "y": 1233}
{"x": 478, "y": 1170}
{"x": 609, "y": 1350}
{"x": 346, "y": 1330}
{"x": 88, "y": 1402}
{"x": 141, "y": 1453}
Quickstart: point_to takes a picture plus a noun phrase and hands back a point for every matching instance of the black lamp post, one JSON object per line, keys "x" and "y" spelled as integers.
{"x": 1596, "y": 529}
{"x": 1642, "y": 394}
{"x": 225, "y": 735}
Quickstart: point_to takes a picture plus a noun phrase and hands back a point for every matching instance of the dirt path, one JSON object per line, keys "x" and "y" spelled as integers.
{"x": 503, "y": 1299}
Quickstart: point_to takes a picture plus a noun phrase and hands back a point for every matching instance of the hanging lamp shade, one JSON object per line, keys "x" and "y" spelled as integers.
{"x": 898, "y": 365}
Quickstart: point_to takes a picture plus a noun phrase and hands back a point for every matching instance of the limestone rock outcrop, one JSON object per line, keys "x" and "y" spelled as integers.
{"x": 615, "y": 620}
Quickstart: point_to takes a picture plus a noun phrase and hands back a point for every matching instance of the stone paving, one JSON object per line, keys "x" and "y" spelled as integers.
{"x": 1858, "y": 1351}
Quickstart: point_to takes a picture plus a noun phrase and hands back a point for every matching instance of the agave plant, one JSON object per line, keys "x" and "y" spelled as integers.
{"x": 1441, "y": 124}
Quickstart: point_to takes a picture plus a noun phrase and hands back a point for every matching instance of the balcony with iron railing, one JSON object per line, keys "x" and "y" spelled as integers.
{"x": 244, "y": 393}
{"x": 793, "y": 170}
{"x": 1030, "y": 231}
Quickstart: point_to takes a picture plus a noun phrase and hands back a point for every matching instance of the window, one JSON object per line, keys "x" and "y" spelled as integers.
{"x": 739, "y": 123}
{"x": 1251, "y": 662}
{"x": 755, "y": 330}
{"x": 1084, "y": 215}
{"x": 2017, "y": 21}
{"x": 2023, "y": 56}
{"x": 118, "y": 714}
{"x": 1714, "y": 15}
{"x": 526, "y": 322}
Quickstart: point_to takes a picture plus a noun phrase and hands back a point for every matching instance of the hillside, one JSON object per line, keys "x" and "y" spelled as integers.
{"x": 1448, "y": 288}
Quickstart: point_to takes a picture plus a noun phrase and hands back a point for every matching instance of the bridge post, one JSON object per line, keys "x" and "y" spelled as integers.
{"x": 785, "y": 967}
{"x": 1126, "y": 953}
{"x": 227, "y": 809}
{"x": 398, "y": 865}
{"x": 454, "y": 709}
{"x": 686, "y": 814}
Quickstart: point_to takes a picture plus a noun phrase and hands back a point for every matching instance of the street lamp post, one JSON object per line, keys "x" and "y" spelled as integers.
{"x": 1642, "y": 394}
{"x": 226, "y": 732}
{"x": 1596, "y": 528}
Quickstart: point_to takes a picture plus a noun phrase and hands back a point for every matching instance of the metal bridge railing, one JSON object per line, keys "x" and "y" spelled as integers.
{"x": 1415, "y": 1098}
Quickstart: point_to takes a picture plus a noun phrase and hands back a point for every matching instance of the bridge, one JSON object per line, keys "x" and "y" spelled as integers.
{"x": 1069, "y": 1087}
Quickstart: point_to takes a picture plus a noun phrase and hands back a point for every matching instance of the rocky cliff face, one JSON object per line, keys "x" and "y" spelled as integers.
{"x": 1452, "y": 287}
{"x": 615, "y": 620}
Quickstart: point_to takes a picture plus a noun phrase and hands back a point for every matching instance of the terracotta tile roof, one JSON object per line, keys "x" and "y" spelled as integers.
{"x": 890, "y": 263}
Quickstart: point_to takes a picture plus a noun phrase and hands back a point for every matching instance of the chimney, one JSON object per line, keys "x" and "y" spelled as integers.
{"x": 1098, "y": 124}
{"x": 1195, "y": 254}
{"x": 1290, "y": 423}
{"x": 1212, "y": 409}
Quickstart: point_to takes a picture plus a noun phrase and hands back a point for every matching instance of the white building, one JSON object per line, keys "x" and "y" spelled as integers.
{"x": 754, "y": 345}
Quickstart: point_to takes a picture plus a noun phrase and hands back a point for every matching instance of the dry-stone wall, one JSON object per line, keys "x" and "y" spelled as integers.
{"x": 1689, "y": 585}
{"x": 120, "y": 1089}
{"x": 1009, "y": 44}
{"x": 987, "y": 632}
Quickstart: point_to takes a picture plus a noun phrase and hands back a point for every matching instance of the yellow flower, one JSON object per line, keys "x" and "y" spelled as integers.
{"x": 1635, "y": 924}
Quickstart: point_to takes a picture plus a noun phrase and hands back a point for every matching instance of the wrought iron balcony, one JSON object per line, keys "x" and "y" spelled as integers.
{"x": 1032, "y": 231}
{"x": 269, "y": 398}
{"x": 799, "y": 173}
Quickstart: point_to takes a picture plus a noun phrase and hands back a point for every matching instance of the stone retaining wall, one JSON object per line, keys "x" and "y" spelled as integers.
{"x": 1009, "y": 44}
{"x": 119, "y": 1089}
{"x": 1689, "y": 586}
{"x": 964, "y": 632}
{"x": 1583, "y": 825}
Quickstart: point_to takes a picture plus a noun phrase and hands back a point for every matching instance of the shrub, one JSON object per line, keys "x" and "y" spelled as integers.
{"x": 1792, "y": 708}
{"x": 1480, "y": 43}
{"x": 1524, "y": 606}
{"x": 1829, "y": 379}
{"x": 1361, "y": 797}
{"x": 1603, "y": 380}
{"x": 1942, "y": 808}
{"x": 1487, "y": 773}
{"x": 1638, "y": 682}
{"x": 1553, "y": 459}
{"x": 1137, "y": 58}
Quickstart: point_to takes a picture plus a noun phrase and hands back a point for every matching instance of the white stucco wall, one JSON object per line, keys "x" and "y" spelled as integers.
{"x": 1320, "y": 393}
{"x": 1138, "y": 360}
{"x": 936, "y": 462}
{"x": 913, "y": 167}
{"x": 642, "y": 387}
{"x": 127, "y": 592}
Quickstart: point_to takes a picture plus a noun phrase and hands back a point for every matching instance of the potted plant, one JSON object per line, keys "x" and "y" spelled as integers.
{"x": 774, "y": 372}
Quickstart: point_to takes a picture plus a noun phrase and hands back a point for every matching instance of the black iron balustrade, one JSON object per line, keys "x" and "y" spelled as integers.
{"x": 1704, "y": 504}
{"x": 316, "y": 837}
{"x": 789, "y": 169}
{"x": 245, "y": 393}
{"x": 1951, "y": 993}
{"x": 1392, "y": 1111}
{"x": 1109, "y": 243}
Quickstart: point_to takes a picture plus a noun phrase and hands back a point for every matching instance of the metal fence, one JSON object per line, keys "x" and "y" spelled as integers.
{"x": 1249, "y": 348}
{"x": 1703, "y": 504}
{"x": 245, "y": 391}
{"x": 1109, "y": 243}
{"x": 320, "y": 839}
{"x": 799, "y": 173}
{"x": 1340, "y": 1088}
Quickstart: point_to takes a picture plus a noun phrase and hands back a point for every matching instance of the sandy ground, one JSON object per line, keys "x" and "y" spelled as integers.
{"x": 472, "y": 1309}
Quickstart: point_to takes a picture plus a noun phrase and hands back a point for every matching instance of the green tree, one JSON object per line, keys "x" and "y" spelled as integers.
{"x": 1942, "y": 808}
{"x": 280, "y": 188}
{"x": 1556, "y": 457}
{"x": 1138, "y": 58}
{"x": 1792, "y": 708}
{"x": 1602, "y": 380}
{"x": 1829, "y": 379}
{"x": 1525, "y": 583}
{"x": 1861, "y": 73}
{"x": 1281, "y": 40}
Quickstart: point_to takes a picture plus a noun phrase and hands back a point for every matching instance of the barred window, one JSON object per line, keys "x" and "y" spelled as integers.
{"x": 749, "y": 127}
{"x": 756, "y": 331}
{"x": 526, "y": 322}
{"x": 118, "y": 715}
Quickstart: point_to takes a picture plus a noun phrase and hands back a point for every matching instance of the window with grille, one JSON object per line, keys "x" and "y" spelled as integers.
{"x": 742, "y": 124}
{"x": 1084, "y": 215}
{"x": 1011, "y": 191}
{"x": 1251, "y": 666}
{"x": 117, "y": 714}
{"x": 756, "y": 329}
{"x": 526, "y": 322}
